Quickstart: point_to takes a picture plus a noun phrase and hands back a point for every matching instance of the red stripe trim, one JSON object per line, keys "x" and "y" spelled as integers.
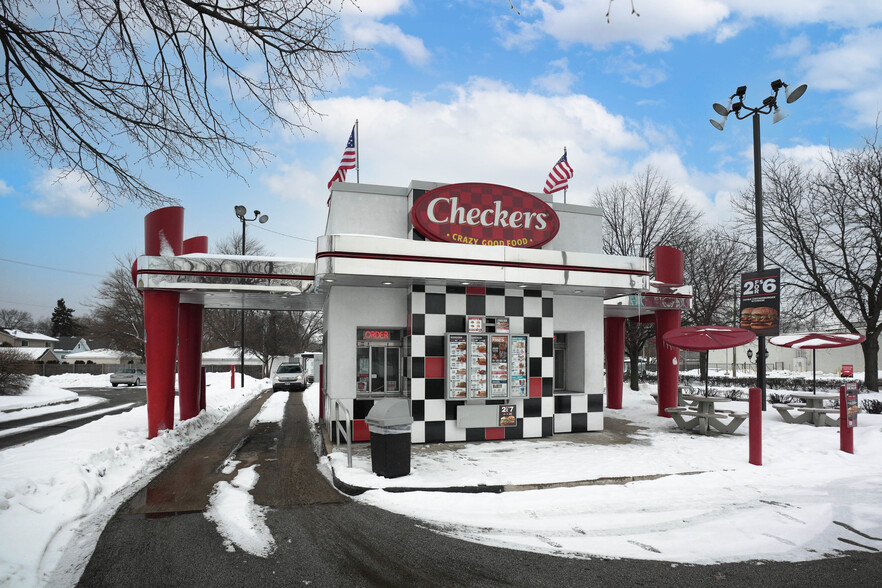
{"x": 456, "y": 260}
{"x": 225, "y": 275}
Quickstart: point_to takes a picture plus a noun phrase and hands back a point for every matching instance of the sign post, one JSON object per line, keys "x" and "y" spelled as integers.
{"x": 848, "y": 411}
{"x": 760, "y": 306}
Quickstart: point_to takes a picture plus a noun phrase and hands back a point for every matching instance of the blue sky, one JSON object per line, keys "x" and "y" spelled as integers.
{"x": 468, "y": 90}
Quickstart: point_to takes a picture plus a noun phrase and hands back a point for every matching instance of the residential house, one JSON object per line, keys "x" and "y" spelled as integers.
{"x": 19, "y": 338}
{"x": 68, "y": 345}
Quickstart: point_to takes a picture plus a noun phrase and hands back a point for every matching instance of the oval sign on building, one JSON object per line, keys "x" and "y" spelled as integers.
{"x": 484, "y": 214}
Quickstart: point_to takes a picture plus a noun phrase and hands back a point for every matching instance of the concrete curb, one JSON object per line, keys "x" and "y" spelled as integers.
{"x": 352, "y": 490}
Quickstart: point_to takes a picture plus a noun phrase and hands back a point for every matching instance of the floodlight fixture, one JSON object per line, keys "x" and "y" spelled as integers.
{"x": 779, "y": 114}
{"x": 794, "y": 94}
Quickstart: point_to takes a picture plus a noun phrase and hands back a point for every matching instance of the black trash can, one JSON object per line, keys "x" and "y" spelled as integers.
{"x": 389, "y": 423}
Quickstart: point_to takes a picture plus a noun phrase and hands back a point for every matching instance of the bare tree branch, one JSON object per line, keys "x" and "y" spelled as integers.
{"x": 170, "y": 81}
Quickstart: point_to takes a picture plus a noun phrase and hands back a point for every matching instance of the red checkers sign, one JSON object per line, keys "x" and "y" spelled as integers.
{"x": 484, "y": 214}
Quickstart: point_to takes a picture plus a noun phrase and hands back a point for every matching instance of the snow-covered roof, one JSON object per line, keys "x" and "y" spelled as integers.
{"x": 99, "y": 354}
{"x": 19, "y": 334}
{"x": 229, "y": 355}
{"x": 33, "y": 353}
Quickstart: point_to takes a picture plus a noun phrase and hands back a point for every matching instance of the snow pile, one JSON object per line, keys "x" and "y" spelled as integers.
{"x": 699, "y": 501}
{"x": 41, "y": 392}
{"x": 56, "y": 494}
{"x": 239, "y": 521}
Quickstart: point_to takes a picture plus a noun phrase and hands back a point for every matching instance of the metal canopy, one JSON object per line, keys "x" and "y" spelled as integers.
{"x": 233, "y": 281}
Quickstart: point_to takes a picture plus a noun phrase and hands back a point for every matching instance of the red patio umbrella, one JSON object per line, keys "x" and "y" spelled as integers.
{"x": 705, "y": 338}
{"x": 816, "y": 341}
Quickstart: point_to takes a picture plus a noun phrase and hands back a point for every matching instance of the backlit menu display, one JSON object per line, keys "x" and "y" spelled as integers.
{"x": 478, "y": 366}
{"x": 518, "y": 366}
{"x": 499, "y": 366}
{"x": 457, "y": 366}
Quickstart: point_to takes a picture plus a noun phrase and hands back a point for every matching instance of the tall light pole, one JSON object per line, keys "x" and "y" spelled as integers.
{"x": 241, "y": 212}
{"x": 742, "y": 111}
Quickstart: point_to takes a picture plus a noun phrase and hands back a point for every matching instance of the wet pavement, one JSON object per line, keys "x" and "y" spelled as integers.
{"x": 323, "y": 538}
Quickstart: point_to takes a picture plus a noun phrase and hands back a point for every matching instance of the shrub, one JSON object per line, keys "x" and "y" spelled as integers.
{"x": 775, "y": 398}
{"x": 15, "y": 370}
{"x": 872, "y": 406}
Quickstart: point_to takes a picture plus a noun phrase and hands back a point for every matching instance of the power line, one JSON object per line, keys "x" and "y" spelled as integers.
{"x": 56, "y": 269}
{"x": 283, "y": 234}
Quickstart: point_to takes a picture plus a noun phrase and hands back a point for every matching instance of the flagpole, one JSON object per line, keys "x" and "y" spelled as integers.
{"x": 565, "y": 190}
{"x": 357, "y": 159}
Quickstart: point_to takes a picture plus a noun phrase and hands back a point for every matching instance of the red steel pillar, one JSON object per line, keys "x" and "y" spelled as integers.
{"x": 755, "y": 426}
{"x": 163, "y": 235}
{"x": 190, "y": 344}
{"x": 614, "y": 349}
{"x": 669, "y": 272}
{"x": 846, "y": 433}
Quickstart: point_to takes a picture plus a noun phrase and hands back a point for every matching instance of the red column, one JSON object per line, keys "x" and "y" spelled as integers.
{"x": 163, "y": 235}
{"x": 668, "y": 271}
{"x": 755, "y": 426}
{"x": 190, "y": 344}
{"x": 846, "y": 433}
{"x": 668, "y": 360}
{"x": 614, "y": 349}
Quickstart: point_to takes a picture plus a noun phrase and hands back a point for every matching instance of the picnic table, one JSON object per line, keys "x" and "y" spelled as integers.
{"x": 812, "y": 408}
{"x": 706, "y": 417}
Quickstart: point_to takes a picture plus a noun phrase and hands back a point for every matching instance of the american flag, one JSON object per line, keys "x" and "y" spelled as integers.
{"x": 559, "y": 176}
{"x": 348, "y": 161}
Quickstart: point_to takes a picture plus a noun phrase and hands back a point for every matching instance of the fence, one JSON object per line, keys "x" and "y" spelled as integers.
{"x": 97, "y": 369}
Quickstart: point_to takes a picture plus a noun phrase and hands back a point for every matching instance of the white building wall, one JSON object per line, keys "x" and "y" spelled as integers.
{"x": 580, "y": 314}
{"x": 356, "y": 307}
{"x": 580, "y": 229}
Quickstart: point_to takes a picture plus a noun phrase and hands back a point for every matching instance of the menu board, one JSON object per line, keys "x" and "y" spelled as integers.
{"x": 457, "y": 366}
{"x": 477, "y": 366}
{"x": 518, "y": 366}
{"x": 508, "y": 416}
{"x": 476, "y": 324}
{"x": 498, "y": 366}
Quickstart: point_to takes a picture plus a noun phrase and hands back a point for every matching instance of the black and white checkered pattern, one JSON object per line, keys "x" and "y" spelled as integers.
{"x": 437, "y": 310}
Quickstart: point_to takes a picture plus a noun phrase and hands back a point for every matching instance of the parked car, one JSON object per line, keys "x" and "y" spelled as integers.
{"x": 128, "y": 376}
{"x": 289, "y": 376}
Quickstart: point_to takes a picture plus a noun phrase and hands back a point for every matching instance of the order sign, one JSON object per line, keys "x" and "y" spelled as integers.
{"x": 484, "y": 214}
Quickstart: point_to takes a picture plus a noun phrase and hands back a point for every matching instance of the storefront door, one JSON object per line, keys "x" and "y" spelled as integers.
{"x": 378, "y": 358}
{"x": 385, "y": 370}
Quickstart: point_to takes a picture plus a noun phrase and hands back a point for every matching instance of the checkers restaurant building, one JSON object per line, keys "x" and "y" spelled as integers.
{"x": 480, "y": 304}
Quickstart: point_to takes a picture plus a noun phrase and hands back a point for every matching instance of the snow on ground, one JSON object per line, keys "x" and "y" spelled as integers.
{"x": 57, "y": 493}
{"x": 807, "y": 500}
{"x": 231, "y": 507}
{"x": 239, "y": 520}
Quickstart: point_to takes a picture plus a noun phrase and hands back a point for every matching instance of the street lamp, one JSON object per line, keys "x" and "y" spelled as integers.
{"x": 241, "y": 212}
{"x": 742, "y": 111}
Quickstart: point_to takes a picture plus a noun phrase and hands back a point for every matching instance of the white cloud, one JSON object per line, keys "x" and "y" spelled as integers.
{"x": 361, "y": 25}
{"x": 484, "y": 131}
{"x": 661, "y": 21}
{"x": 64, "y": 193}
{"x": 635, "y": 72}
{"x": 372, "y": 33}
{"x": 5, "y": 189}
{"x": 557, "y": 80}
{"x": 852, "y": 67}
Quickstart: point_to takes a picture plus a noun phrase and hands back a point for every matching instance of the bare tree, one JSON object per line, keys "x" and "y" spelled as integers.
{"x": 823, "y": 229}
{"x": 713, "y": 263}
{"x": 99, "y": 88}
{"x": 269, "y": 334}
{"x": 638, "y": 216}
{"x": 118, "y": 312}
{"x": 11, "y": 318}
